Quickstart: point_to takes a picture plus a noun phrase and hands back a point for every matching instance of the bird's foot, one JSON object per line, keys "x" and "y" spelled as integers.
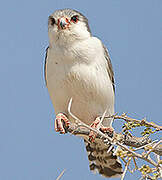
{"x": 108, "y": 130}
{"x": 92, "y": 134}
{"x": 60, "y": 121}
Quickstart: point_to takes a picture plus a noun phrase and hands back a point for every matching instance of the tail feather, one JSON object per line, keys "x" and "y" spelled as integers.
{"x": 100, "y": 160}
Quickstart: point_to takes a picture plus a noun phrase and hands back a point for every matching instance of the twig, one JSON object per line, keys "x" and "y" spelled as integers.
{"x": 141, "y": 147}
{"x": 126, "y": 168}
{"x": 61, "y": 174}
{"x": 141, "y": 122}
{"x": 158, "y": 150}
{"x": 154, "y": 146}
{"x": 135, "y": 164}
{"x": 102, "y": 118}
{"x": 110, "y": 148}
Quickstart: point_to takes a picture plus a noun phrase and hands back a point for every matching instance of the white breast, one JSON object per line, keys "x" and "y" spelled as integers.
{"x": 79, "y": 72}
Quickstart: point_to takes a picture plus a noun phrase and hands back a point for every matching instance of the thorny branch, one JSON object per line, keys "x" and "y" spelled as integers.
{"x": 142, "y": 122}
{"x": 125, "y": 140}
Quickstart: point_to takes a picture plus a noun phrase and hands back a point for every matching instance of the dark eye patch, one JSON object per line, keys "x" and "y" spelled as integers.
{"x": 51, "y": 21}
{"x": 75, "y": 18}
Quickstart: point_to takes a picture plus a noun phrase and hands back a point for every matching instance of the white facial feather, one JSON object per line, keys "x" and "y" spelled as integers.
{"x": 74, "y": 32}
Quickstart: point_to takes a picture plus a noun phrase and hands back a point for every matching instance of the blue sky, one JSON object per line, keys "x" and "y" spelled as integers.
{"x": 30, "y": 149}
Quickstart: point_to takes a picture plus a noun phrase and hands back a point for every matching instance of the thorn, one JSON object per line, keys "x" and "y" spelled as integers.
{"x": 61, "y": 174}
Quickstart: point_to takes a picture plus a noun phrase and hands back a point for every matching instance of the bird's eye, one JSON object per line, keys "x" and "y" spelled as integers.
{"x": 75, "y": 18}
{"x": 51, "y": 21}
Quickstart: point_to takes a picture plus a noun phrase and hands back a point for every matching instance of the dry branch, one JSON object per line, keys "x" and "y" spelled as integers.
{"x": 142, "y": 122}
{"x": 127, "y": 140}
{"x": 128, "y": 144}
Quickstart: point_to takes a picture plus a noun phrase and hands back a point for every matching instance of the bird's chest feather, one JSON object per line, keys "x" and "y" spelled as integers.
{"x": 77, "y": 67}
{"x": 73, "y": 76}
{"x": 82, "y": 78}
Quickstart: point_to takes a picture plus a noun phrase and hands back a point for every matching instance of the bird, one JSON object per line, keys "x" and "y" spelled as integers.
{"x": 78, "y": 66}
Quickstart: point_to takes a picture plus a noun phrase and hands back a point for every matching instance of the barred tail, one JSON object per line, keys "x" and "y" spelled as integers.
{"x": 100, "y": 160}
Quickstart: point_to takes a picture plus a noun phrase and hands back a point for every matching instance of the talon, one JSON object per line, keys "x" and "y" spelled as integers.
{"x": 60, "y": 121}
{"x": 92, "y": 135}
{"x": 108, "y": 130}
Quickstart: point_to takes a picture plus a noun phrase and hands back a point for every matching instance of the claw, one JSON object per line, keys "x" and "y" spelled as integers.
{"x": 108, "y": 130}
{"x": 60, "y": 121}
{"x": 92, "y": 135}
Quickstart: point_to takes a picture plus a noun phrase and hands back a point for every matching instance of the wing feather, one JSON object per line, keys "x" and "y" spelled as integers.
{"x": 109, "y": 67}
{"x": 45, "y": 66}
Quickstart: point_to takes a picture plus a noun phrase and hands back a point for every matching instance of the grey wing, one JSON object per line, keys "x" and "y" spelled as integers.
{"x": 45, "y": 66}
{"x": 109, "y": 68}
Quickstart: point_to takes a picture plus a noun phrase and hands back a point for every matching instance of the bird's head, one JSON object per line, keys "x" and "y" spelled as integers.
{"x": 67, "y": 26}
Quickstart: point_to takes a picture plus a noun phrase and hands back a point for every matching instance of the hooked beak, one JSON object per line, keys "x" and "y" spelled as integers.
{"x": 63, "y": 23}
